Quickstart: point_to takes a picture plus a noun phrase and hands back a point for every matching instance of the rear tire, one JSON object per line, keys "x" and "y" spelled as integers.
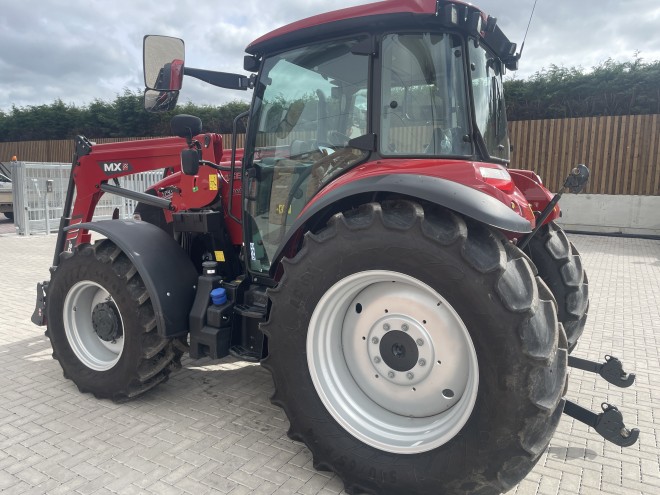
{"x": 560, "y": 266}
{"x": 102, "y": 326}
{"x": 10, "y": 215}
{"x": 491, "y": 330}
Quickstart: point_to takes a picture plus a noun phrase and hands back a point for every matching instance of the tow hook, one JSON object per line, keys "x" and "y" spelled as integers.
{"x": 611, "y": 370}
{"x": 608, "y": 424}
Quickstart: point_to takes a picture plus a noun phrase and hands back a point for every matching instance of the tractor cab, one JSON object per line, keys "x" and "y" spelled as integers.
{"x": 322, "y": 109}
{"x": 375, "y": 85}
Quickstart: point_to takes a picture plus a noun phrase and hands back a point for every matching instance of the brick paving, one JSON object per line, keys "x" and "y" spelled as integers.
{"x": 211, "y": 428}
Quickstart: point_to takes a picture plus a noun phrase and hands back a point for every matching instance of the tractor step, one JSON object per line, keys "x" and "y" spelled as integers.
{"x": 611, "y": 370}
{"x": 609, "y": 424}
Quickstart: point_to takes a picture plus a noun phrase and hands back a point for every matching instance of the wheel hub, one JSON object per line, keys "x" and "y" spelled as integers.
{"x": 399, "y": 351}
{"x": 106, "y": 321}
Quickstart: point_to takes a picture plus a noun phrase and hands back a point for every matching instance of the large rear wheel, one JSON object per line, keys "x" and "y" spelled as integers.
{"x": 102, "y": 326}
{"x": 416, "y": 353}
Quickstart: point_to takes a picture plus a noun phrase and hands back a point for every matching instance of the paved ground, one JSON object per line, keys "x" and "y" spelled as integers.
{"x": 211, "y": 428}
{"x": 6, "y": 225}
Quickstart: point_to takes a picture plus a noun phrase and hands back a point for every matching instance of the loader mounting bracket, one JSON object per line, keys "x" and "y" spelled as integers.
{"x": 609, "y": 424}
{"x": 611, "y": 370}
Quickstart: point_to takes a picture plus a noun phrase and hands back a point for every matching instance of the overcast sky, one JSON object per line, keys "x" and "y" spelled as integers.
{"x": 80, "y": 50}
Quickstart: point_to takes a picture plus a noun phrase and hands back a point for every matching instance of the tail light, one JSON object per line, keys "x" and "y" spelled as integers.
{"x": 497, "y": 177}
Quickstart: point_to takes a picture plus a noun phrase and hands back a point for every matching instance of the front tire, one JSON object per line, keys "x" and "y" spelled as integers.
{"x": 465, "y": 394}
{"x": 102, "y": 325}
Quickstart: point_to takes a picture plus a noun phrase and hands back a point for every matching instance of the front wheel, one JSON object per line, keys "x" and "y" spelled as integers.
{"x": 416, "y": 353}
{"x": 102, "y": 325}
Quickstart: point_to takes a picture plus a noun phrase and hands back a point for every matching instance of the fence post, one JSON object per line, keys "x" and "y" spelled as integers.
{"x": 49, "y": 189}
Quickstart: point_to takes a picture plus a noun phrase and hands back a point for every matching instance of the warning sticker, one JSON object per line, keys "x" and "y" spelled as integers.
{"x": 219, "y": 256}
{"x": 213, "y": 182}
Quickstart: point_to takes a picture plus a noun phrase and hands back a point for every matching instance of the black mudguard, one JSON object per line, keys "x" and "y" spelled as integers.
{"x": 168, "y": 273}
{"x": 452, "y": 195}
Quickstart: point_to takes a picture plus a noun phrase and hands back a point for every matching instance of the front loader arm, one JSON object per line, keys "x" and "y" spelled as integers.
{"x": 97, "y": 167}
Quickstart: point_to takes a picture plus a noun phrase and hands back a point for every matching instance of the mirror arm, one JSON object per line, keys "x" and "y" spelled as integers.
{"x": 221, "y": 79}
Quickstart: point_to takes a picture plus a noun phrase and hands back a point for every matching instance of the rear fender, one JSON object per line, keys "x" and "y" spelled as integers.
{"x": 168, "y": 273}
{"x": 462, "y": 199}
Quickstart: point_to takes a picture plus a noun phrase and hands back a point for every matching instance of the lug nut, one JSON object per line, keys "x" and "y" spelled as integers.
{"x": 390, "y": 374}
{"x": 420, "y": 342}
{"x": 410, "y": 375}
{"x": 422, "y": 362}
{"x": 374, "y": 340}
{"x": 376, "y": 360}
{"x": 404, "y": 327}
{"x": 386, "y": 326}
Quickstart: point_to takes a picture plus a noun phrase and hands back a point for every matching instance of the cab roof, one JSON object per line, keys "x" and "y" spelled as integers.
{"x": 342, "y": 20}
{"x": 386, "y": 16}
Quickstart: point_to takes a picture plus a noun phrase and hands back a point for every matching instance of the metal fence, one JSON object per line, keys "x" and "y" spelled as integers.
{"x": 39, "y": 191}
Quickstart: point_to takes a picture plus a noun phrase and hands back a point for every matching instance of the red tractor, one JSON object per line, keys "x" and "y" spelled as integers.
{"x": 411, "y": 296}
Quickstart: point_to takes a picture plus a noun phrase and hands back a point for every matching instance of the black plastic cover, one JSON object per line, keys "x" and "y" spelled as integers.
{"x": 168, "y": 273}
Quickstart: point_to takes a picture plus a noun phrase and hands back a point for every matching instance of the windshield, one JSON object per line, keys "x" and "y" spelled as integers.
{"x": 489, "y": 107}
{"x": 424, "y": 107}
{"x": 310, "y": 102}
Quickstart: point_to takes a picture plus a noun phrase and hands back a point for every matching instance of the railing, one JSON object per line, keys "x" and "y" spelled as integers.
{"x": 39, "y": 191}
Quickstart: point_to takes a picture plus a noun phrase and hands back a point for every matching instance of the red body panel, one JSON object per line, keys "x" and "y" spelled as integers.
{"x": 537, "y": 195}
{"x": 108, "y": 161}
{"x": 463, "y": 172}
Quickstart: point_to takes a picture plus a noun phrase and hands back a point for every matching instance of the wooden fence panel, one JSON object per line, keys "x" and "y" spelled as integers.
{"x": 622, "y": 152}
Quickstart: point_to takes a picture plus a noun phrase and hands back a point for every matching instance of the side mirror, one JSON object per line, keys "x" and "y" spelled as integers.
{"x": 577, "y": 179}
{"x": 163, "y": 61}
{"x": 160, "y": 101}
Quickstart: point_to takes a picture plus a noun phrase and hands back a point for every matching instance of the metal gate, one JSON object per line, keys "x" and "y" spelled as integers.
{"x": 39, "y": 191}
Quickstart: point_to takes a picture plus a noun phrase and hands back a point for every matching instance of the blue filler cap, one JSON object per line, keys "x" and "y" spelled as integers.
{"x": 219, "y": 296}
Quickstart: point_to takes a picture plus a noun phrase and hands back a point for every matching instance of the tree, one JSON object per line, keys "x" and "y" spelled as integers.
{"x": 610, "y": 88}
{"x": 123, "y": 117}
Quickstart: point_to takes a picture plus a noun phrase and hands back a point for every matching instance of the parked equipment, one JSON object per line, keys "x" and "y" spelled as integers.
{"x": 364, "y": 246}
{"x": 6, "y": 194}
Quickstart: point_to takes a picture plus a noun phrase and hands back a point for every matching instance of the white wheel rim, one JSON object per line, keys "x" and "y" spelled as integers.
{"x": 89, "y": 348}
{"x": 408, "y": 410}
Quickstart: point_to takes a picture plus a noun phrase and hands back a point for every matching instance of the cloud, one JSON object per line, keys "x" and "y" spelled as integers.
{"x": 81, "y": 50}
